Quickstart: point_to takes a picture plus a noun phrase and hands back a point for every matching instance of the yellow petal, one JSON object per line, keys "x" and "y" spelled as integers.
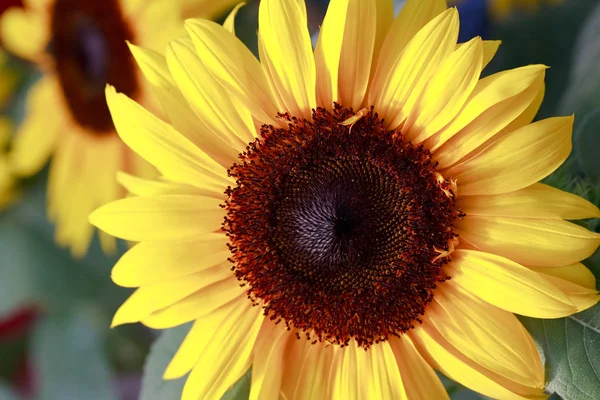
{"x": 347, "y": 49}
{"x": 229, "y": 22}
{"x": 383, "y": 378}
{"x": 528, "y": 115}
{"x": 153, "y": 262}
{"x": 83, "y": 170}
{"x": 446, "y": 92}
{"x": 492, "y": 337}
{"x": 415, "y": 14}
{"x": 24, "y": 32}
{"x": 163, "y": 217}
{"x": 420, "y": 381}
{"x": 150, "y": 187}
{"x": 229, "y": 133}
{"x": 61, "y": 172}
{"x": 357, "y": 52}
{"x": 343, "y": 37}
{"x": 221, "y": 288}
{"x": 198, "y": 338}
{"x": 161, "y": 145}
{"x": 149, "y": 15}
{"x": 289, "y": 55}
{"x": 72, "y": 228}
{"x": 36, "y": 4}
{"x": 516, "y": 161}
{"x": 535, "y": 201}
{"x": 36, "y": 137}
{"x": 368, "y": 374}
{"x": 452, "y": 363}
{"x": 508, "y": 285}
{"x": 328, "y": 52}
{"x": 306, "y": 370}
{"x": 541, "y": 242}
{"x": 495, "y": 102}
{"x": 147, "y": 299}
{"x": 394, "y": 90}
{"x": 490, "y": 47}
{"x": 226, "y": 356}
{"x": 230, "y": 62}
{"x": 155, "y": 70}
{"x": 208, "y": 9}
{"x": 385, "y": 19}
{"x": 525, "y": 118}
{"x": 575, "y": 281}
{"x": 577, "y": 274}
{"x": 267, "y": 363}
{"x": 344, "y": 375}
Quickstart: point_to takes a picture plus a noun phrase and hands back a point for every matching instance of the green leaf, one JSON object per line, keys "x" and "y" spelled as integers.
{"x": 584, "y": 78}
{"x": 587, "y": 143}
{"x": 241, "y": 390}
{"x": 582, "y": 98}
{"x": 154, "y": 387}
{"x": 570, "y": 352}
{"x": 7, "y": 393}
{"x": 593, "y": 264}
{"x": 69, "y": 359}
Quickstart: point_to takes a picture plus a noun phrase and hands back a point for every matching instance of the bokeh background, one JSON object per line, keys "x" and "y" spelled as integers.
{"x": 55, "y": 311}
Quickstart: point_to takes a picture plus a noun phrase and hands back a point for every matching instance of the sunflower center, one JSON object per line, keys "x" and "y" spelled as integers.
{"x": 336, "y": 222}
{"x": 89, "y": 49}
{"x": 339, "y": 231}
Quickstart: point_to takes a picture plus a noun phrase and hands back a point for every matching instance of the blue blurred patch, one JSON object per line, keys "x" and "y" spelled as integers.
{"x": 474, "y": 19}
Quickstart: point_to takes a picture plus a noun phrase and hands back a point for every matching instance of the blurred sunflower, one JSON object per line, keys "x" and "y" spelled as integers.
{"x": 385, "y": 219}
{"x": 80, "y": 46}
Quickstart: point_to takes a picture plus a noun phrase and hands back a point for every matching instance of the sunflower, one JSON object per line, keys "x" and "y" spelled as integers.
{"x": 347, "y": 220}
{"x": 79, "y": 46}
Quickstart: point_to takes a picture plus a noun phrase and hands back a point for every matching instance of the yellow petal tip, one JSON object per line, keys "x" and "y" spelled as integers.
{"x": 168, "y": 375}
{"x": 95, "y": 217}
{"x": 116, "y": 322}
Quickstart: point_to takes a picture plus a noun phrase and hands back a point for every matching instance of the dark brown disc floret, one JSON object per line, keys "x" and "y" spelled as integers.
{"x": 89, "y": 49}
{"x": 339, "y": 230}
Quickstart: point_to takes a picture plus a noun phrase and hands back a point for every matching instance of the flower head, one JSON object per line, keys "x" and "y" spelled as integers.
{"x": 350, "y": 219}
{"x": 80, "y": 46}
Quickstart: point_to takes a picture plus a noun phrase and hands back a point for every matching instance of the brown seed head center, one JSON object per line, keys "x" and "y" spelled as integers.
{"x": 88, "y": 46}
{"x": 337, "y": 230}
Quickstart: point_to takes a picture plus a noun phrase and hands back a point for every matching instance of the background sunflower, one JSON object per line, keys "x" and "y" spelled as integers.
{"x": 74, "y": 354}
{"x": 78, "y": 47}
